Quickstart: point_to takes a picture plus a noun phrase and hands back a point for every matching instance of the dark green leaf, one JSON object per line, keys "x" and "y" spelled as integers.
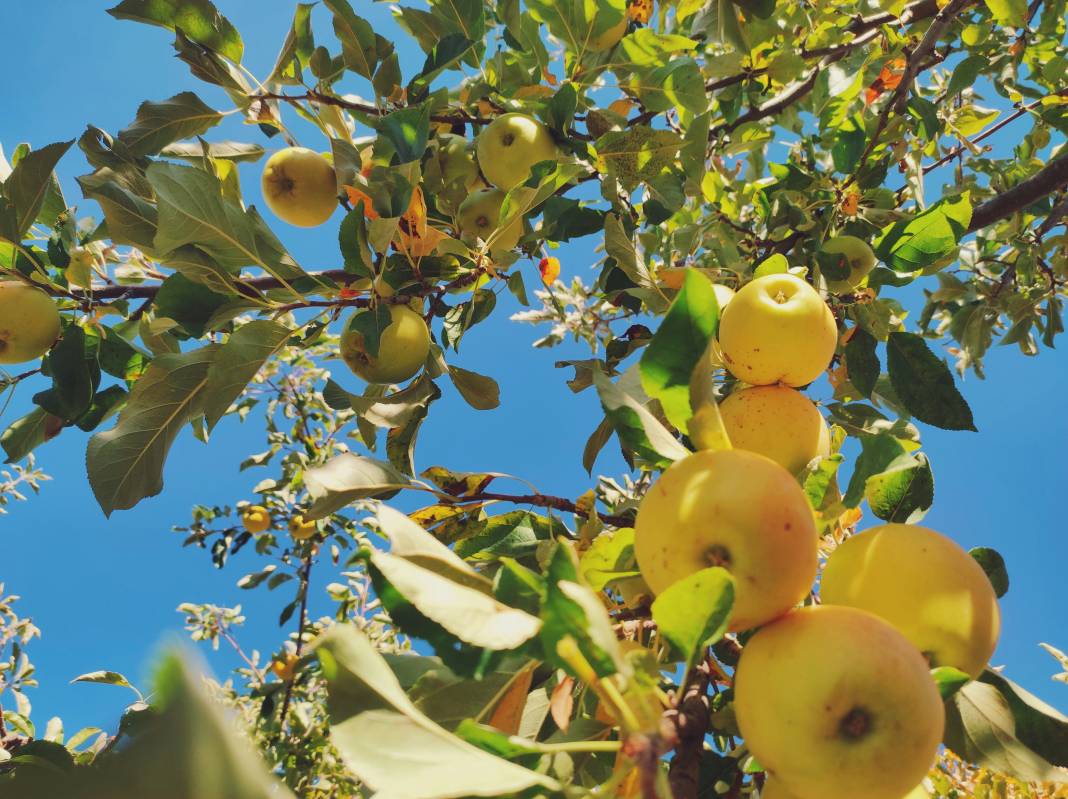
{"x": 904, "y": 491}
{"x": 862, "y": 361}
{"x": 994, "y": 566}
{"x": 198, "y": 19}
{"x": 924, "y": 383}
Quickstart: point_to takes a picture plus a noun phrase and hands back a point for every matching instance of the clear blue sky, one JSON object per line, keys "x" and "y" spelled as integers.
{"x": 104, "y": 592}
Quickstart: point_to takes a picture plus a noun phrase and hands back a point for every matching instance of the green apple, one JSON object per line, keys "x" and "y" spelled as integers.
{"x": 851, "y": 252}
{"x": 510, "y": 146}
{"x": 300, "y": 187}
{"x": 29, "y": 322}
{"x": 478, "y": 216}
{"x": 402, "y": 348}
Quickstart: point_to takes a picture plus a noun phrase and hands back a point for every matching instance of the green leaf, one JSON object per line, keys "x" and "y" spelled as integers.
{"x": 408, "y": 131}
{"x": 819, "y": 482}
{"x": 912, "y": 244}
{"x": 158, "y": 124}
{"x": 198, "y": 19}
{"x": 296, "y": 51}
{"x": 75, "y": 376}
{"x": 352, "y": 236}
{"x": 862, "y": 362}
{"x": 924, "y": 383}
{"x": 994, "y": 566}
{"x": 904, "y": 491}
{"x": 106, "y": 678}
{"x": 25, "y": 189}
{"x": 236, "y": 151}
{"x": 849, "y": 141}
{"x": 965, "y": 73}
{"x": 125, "y": 463}
{"x": 347, "y": 477}
{"x": 637, "y": 428}
{"x": 386, "y": 741}
{"x": 620, "y": 246}
{"x": 191, "y": 304}
{"x": 1038, "y": 725}
{"x": 1012, "y": 13}
{"x": 610, "y": 557}
{"x": 480, "y": 392}
{"x": 26, "y": 434}
{"x": 637, "y": 154}
{"x": 878, "y": 452}
{"x": 237, "y": 362}
{"x": 982, "y": 729}
{"x": 443, "y": 54}
{"x": 645, "y": 47}
{"x": 949, "y": 680}
{"x": 192, "y": 210}
{"x": 718, "y": 20}
{"x": 575, "y": 612}
{"x": 131, "y": 219}
{"x": 360, "y": 45}
{"x": 668, "y": 363}
{"x": 693, "y": 613}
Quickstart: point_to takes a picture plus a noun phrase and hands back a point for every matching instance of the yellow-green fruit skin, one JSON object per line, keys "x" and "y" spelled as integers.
{"x": 775, "y": 789}
{"x": 777, "y": 422}
{"x": 479, "y": 214}
{"x": 838, "y": 705}
{"x": 300, "y": 530}
{"x": 736, "y": 509}
{"x": 510, "y": 145}
{"x": 29, "y": 322}
{"x": 860, "y": 258}
{"x": 402, "y": 348}
{"x": 777, "y": 329}
{"x": 925, "y": 585}
{"x": 256, "y": 518}
{"x": 300, "y": 187}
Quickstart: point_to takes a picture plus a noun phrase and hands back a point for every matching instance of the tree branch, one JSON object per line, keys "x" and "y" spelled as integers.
{"x": 305, "y": 578}
{"x": 541, "y": 501}
{"x": 1047, "y": 180}
{"x": 689, "y": 721}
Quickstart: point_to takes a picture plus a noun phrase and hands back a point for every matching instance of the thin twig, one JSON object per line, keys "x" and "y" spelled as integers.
{"x": 305, "y": 578}
{"x": 540, "y": 501}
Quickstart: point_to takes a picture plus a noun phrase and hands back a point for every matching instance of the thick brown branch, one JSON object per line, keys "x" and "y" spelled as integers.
{"x": 1047, "y": 180}
{"x": 689, "y": 723}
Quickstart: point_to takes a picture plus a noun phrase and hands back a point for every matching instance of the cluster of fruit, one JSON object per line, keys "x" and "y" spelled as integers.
{"x": 835, "y": 699}
{"x": 300, "y": 187}
{"x": 257, "y": 519}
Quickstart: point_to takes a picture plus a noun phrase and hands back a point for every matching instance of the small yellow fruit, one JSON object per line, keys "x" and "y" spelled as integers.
{"x": 838, "y": 705}
{"x": 402, "y": 348}
{"x": 478, "y": 216}
{"x": 734, "y": 509}
{"x": 777, "y": 422}
{"x": 299, "y": 185}
{"x": 29, "y": 322}
{"x": 285, "y": 667}
{"x": 858, "y": 257}
{"x": 256, "y": 518}
{"x": 301, "y": 530}
{"x": 777, "y": 329}
{"x": 925, "y": 585}
{"x": 510, "y": 145}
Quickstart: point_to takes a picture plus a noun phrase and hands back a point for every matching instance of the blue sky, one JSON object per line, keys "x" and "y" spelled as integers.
{"x": 104, "y": 592}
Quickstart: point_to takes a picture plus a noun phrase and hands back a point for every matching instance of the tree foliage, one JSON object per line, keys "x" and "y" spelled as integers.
{"x": 477, "y": 650}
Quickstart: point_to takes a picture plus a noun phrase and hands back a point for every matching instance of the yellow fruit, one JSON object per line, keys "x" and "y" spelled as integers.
{"x": 734, "y": 509}
{"x": 300, "y": 187}
{"x": 301, "y": 530}
{"x": 858, "y": 257}
{"x": 838, "y": 705}
{"x": 478, "y": 216}
{"x": 925, "y": 585}
{"x": 777, "y": 329}
{"x": 402, "y": 348}
{"x": 510, "y": 145}
{"x": 775, "y": 789}
{"x": 256, "y": 518}
{"x": 285, "y": 667}
{"x": 777, "y": 422}
{"x": 29, "y": 322}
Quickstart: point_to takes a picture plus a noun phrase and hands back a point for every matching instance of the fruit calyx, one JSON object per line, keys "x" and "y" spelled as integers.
{"x": 856, "y": 724}
{"x": 718, "y": 555}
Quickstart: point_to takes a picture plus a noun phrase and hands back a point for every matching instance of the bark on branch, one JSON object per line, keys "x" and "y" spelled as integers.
{"x": 1047, "y": 180}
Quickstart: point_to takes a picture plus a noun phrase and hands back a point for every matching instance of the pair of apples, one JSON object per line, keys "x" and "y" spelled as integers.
{"x": 835, "y": 700}
{"x": 257, "y": 518}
